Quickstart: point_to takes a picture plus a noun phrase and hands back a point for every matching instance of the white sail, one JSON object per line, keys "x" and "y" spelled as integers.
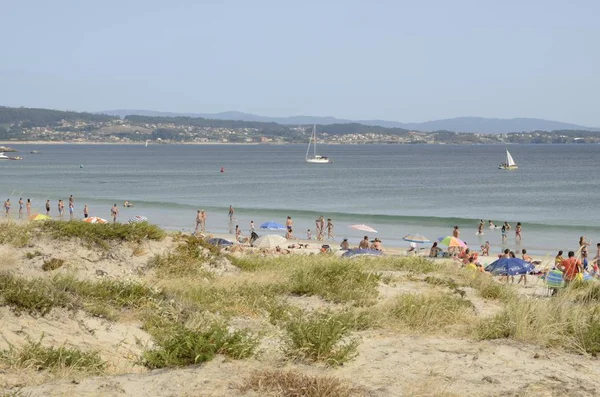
{"x": 315, "y": 158}
{"x": 509, "y": 160}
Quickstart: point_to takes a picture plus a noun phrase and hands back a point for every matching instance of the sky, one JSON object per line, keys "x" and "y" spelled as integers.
{"x": 408, "y": 61}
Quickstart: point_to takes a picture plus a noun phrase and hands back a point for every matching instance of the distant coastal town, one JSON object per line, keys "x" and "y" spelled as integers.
{"x": 44, "y": 125}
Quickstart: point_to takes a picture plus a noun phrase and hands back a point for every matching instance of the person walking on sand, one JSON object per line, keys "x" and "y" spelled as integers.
{"x": 518, "y": 231}
{"x": 86, "y": 211}
{"x": 456, "y": 232}
{"x": 321, "y": 228}
{"x": 289, "y": 225}
{"x": 7, "y": 207}
{"x": 230, "y": 214}
{"x": 48, "y": 207}
{"x": 28, "y": 207}
{"x": 318, "y": 228}
{"x": 251, "y": 227}
{"x": 330, "y": 235}
{"x": 20, "y": 207}
{"x": 198, "y": 221}
{"x": 114, "y": 211}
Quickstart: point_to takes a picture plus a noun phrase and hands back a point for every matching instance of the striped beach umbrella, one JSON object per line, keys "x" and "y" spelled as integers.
{"x": 138, "y": 219}
{"x": 95, "y": 219}
{"x": 416, "y": 238}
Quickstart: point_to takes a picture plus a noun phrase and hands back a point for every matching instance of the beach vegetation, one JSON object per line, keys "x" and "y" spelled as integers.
{"x": 185, "y": 261}
{"x": 33, "y": 355}
{"x": 178, "y": 346}
{"x": 429, "y": 313}
{"x": 36, "y": 297}
{"x": 33, "y": 254}
{"x": 15, "y": 234}
{"x": 411, "y": 264}
{"x": 296, "y": 384}
{"x": 52, "y": 264}
{"x": 99, "y": 235}
{"x": 337, "y": 281}
{"x": 321, "y": 336}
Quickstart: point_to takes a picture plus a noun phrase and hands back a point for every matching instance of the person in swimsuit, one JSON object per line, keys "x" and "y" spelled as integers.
{"x": 86, "y": 211}
{"x": 503, "y": 232}
{"x": 364, "y": 243}
{"x": 71, "y": 208}
{"x": 492, "y": 226}
{"x": 308, "y": 235}
{"x": 289, "y": 224}
{"x": 203, "y": 220}
{"x": 198, "y": 221}
{"x": 230, "y": 214}
{"x": 518, "y": 230}
{"x": 583, "y": 244}
{"x": 480, "y": 227}
{"x": 251, "y": 227}
{"x": 318, "y": 227}
{"x": 330, "y": 229}
{"x": 114, "y": 211}
{"x": 28, "y": 207}
{"x": 456, "y": 232}
{"x": 48, "y": 207}
{"x": 7, "y": 206}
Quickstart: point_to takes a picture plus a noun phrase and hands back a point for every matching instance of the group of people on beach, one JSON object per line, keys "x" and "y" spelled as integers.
{"x": 504, "y": 229}
{"x": 60, "y": 205}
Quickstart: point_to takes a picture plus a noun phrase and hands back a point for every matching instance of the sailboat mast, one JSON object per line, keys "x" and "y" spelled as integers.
{"x": 315, "y": 140}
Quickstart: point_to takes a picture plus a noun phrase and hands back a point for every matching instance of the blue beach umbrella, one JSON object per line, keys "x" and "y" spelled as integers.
{"x": 509, "y": 266}
{"x": 361, "y": 252}
{"x": 219, "y": 242}
{"x": 272, "y": 226}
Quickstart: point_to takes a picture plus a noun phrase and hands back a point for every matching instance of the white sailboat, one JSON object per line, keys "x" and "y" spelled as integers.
{"x": 315, "y": 158}
{"x": 509, "y": 164}
{"x": 147, "y": 142}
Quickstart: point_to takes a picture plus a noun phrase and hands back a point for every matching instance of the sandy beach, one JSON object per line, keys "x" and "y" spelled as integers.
{"x": 449, "y": 361}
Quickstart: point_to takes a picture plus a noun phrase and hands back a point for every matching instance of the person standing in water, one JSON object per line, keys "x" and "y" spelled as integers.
{"x": 198, "y": 221}
{"x": 48, "y": 207}
{"x": 20, "y": 207}
{"x": 230, "y": 214}
{"x": 456, "y": 232}
{"x": 28, "y": 207}
{"x": 86, "y": 211}
{"x": 518, "y": 231}
{"x": 71, "y": 208}
{"x": 203, "y": 221}
{"x": 480, "y": 227}
{"x": 330, "y": 235}
{"x": 114, "y": 211}
{"x": 7, "y": 207}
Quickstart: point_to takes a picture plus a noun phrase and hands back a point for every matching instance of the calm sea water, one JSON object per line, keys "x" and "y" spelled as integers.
{"x": 397, "y": 189}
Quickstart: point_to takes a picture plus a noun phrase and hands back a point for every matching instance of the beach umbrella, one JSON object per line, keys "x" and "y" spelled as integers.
{"x": 95, "y": 219}
{"x": 272, "y": 226}
{"x": 39, "y": 217}
{"x": 509, "y": 266}
{"x": 363, "y": 227}
{"x": 138, "y": 219}
{"x": 416, "y": 238}
{"x": 269, "y": 241}
{"x": 450, "y": 241}
{"x": 219, "y": 242}
{"x": 361, "y": 252}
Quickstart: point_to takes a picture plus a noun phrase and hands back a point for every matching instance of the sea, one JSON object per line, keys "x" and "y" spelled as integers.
{"x": 395, "y": 189}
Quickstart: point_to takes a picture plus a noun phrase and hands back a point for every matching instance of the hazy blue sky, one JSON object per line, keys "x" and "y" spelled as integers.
{"x": 398, "y": 60}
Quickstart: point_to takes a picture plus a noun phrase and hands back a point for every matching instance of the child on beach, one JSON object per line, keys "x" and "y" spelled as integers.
{"x": 503, "y": 232}
{"x": 308, "y": 235}
{"x": 518, "y": 230}
{"x": 485, "y": 249}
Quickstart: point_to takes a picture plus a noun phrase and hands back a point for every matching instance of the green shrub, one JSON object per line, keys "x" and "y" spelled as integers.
{"x": 336, "y": 281}
{"x": 36, "y": 297}
{"x": 321, "y": 336}
{"x": 427, "y": 313}
{"x": 34, "y": 254}
{"x": 35, "y": 356}
{"x": 98, "y": 235}
{"x": 52, "y": 264}
{"x": 177, "y": 346}
{"x": 186, "y": 260}
{"x": 15, "y": 234}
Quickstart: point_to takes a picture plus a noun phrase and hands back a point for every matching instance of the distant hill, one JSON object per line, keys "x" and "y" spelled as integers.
{"x": 459, "y": 124}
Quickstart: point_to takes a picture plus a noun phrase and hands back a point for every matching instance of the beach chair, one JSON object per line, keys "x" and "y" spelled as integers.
{"x": 554, "y": 281}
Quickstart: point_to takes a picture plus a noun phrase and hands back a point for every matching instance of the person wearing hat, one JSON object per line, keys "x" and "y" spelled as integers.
{"x": 345, "y": 245}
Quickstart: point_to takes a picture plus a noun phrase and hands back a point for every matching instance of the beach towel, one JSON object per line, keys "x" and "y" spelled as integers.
{"x": 554, "y": 279}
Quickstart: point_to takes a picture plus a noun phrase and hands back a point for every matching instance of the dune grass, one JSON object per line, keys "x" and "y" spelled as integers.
{"x": 411, "y": 264}
{"x": 35, "y": 356}
{"x": 15, "y": 234}
{"x": 178, "y": 346}
{"x": 52, "y": 264}
{"x": 185, "y": 261}
{"x": 296, "y": 384}
{"x": 337, "y": 281}
{"x": 321, "y": 336}
{"x": 426, "y": 313}
{"x": 550, "y": 322}
{"x": 36, "y": 297}
{"x": 99, "y": 235}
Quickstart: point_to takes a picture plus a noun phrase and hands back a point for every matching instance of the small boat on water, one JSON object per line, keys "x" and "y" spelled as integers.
{"x": 315, "y": 158}
{"x": 35, "y": 152}
{"x": 509, "y": 164}
{"x": 4, "y": 157}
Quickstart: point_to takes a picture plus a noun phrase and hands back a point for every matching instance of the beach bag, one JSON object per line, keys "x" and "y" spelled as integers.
{"x": 554, "y": 279}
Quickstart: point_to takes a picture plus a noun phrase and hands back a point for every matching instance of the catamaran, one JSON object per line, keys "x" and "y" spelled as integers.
{"x": 509, "y": 164}
{"x": 315, "y": 157}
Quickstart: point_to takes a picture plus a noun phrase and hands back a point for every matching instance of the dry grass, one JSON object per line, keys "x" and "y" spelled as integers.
{"x": 294, "y": 384}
